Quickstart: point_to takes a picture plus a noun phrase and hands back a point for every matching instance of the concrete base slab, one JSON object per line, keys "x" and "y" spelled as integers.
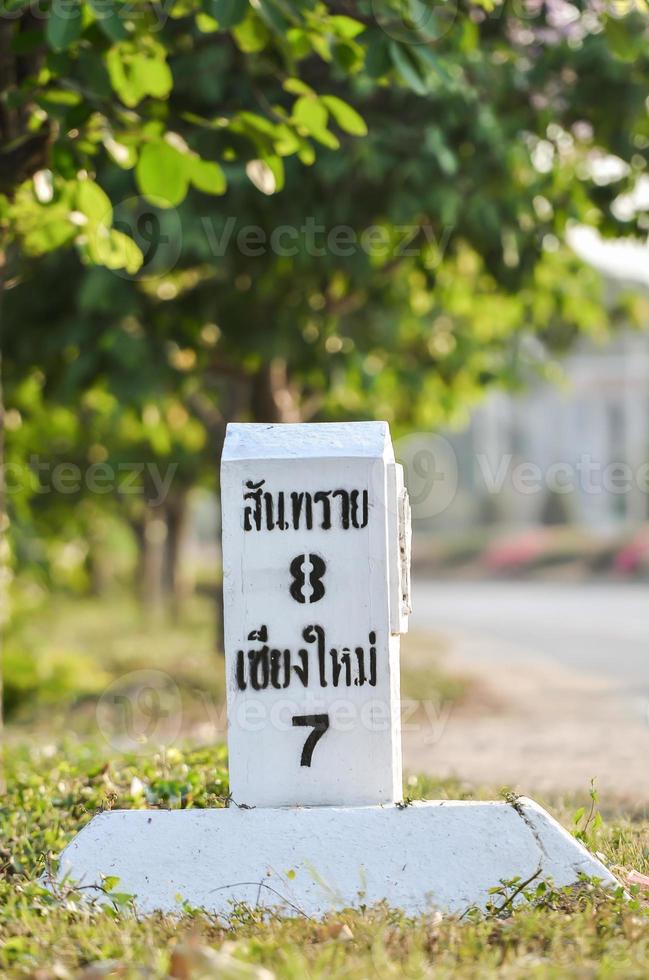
{"x": 444, "y": 855}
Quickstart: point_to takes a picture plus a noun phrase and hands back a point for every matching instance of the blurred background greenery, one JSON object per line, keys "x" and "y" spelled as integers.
{"x": 280, "y": 210}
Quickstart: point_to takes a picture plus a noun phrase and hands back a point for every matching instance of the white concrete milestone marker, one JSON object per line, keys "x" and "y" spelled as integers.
{"x": 315, "y": 596}
{"x": 316, "y": 590}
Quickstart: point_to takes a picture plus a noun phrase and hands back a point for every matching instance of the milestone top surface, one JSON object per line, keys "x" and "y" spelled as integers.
{"x": 307, "y": 440}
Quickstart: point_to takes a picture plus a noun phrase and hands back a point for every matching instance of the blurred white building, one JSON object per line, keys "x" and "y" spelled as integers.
{"x": 578, "y": 452}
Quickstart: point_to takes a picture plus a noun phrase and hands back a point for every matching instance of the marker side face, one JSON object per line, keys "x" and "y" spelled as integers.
{"x": 312, "y": 711}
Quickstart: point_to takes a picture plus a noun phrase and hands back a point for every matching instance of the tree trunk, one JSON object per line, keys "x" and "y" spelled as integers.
{"x": 273, "y": 397}
{"x": 150, "y": 533}
{"x": 159, "y": 533}
{"x": 155, "y": 534}
{"x": 99, "y": 571}
{"x": 172, "y": 579}
{"x": 23, "y": 152}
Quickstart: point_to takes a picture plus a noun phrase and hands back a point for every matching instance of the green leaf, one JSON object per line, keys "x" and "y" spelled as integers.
{"x": 155, "y": 77}
{"x": 137, "y": 69}
{"x": 94, "y": 203}
{"x": 48, "y": 235}
{"x": 206, "y": 24}
{"x": 344, "y": 26}
{"x": 11, "y": 7}
{"x": 272, "y": 17}
{"x": 114, "y": 250}
{"x": 227, "y": 13}
{"x": 434, "y": 141}
{"x": 63, "y": 26}
{"x": 297, "y": 87}
{"x": 470, "y": 36}
{"x": 321, "y": 45}
{"x": 310, "y": 114}
{"x": 207, "y": 176}
{"x": 286, "y": 140}
{"x": 377, "y": 55}
{"x": 43, "y": 227}
{"x": 428, "y": 59}
{"x": 251, "y": 34}
{"x": 348, "y": 55}
{"x": 247, "y": 122}
{"x": 109, "y": 20}
{"x": 422, "y": 17}
{"x": 299, "y": 43}
{"x": 163, "y": 174}
{"x": 306, "y": 153}
{"x": 60, "y": 96}
{"x": 621, "y": 41}
{"x": 406, "y": 69}
{"x": 346, "y": 117}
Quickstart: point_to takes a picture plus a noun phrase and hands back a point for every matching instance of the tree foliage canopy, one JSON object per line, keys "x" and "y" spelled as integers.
{"x": 284, "y": 209}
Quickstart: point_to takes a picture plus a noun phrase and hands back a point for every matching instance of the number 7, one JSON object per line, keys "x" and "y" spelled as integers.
{"x": 320, "y": 724}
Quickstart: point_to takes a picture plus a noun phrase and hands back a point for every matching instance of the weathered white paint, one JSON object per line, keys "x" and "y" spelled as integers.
{"x": 445, "y": 855}
{"x": 399, "y": 532}
{"x": 356, "y": 604}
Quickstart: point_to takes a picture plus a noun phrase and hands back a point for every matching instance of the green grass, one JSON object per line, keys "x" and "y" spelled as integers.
{"x": 53, "y": 791}
{"x": 61, "y": 658}
{"x": 61, "y": 661}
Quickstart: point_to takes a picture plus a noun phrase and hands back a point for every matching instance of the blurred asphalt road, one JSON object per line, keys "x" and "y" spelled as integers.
{"x": 561, "y": 685}
{"x": 599, "y": 628}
